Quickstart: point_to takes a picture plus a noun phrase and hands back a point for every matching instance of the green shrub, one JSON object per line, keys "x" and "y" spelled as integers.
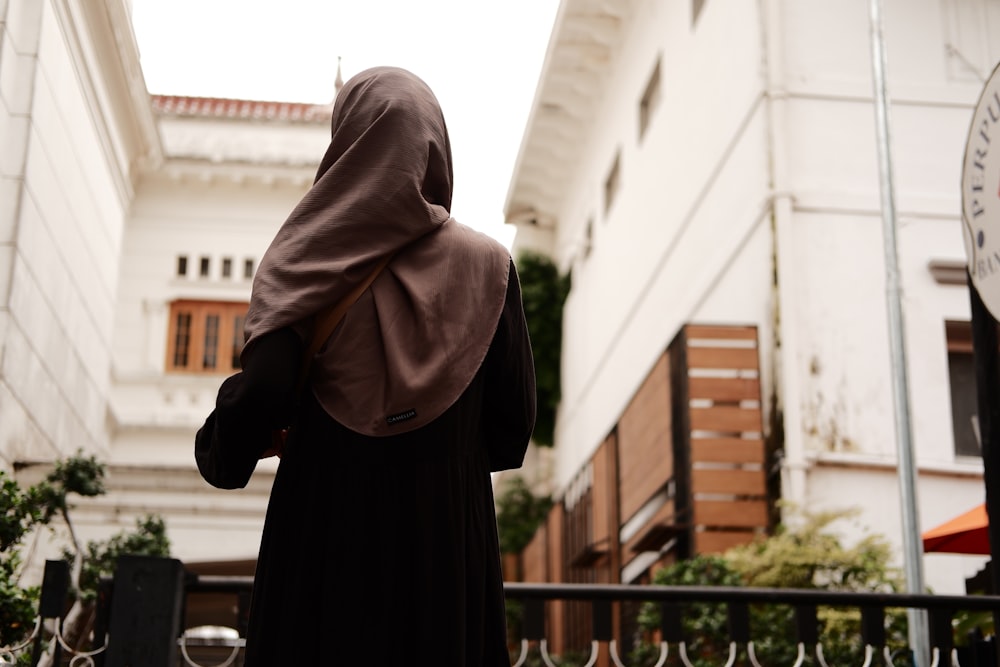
{"x": 809, "y": 556}
{"x": 543, "y": 293}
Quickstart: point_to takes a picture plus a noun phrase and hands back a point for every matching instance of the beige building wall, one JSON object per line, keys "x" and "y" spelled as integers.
{"x": 102, "y": 188}
{"x": 748, "y": 193}
{"x": 73, "y": 135}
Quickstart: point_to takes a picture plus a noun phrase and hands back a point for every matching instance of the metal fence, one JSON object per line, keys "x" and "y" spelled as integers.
{"x": 141, "y": 621}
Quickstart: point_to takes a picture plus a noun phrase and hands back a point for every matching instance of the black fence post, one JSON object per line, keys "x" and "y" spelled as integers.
{"x": 533, "y": 621}
{"x": 942, "y": 639}
{"x": 806, "y": 625}
{"x": 103, "y": 612}
{"x": 671, "y": 622}
{"x": 601, "y": 620}
{"x": 145, "y": 612}
{"x": 873, "y": 627}
{"x": 55, "y": 588}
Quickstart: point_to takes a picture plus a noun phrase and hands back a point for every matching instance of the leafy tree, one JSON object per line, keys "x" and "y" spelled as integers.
{"x": 519, "y": 513}
{"x": 21, "y": 512}
{"x": 704, "y": 623}
{"x": 25, "y": 510}
{"x": 543, "y": 293}
{"x": 809, "y": 556}
{"x": 148, "y": 539}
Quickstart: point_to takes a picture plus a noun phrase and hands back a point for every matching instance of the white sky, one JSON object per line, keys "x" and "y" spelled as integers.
{"x": 481, "y": 59}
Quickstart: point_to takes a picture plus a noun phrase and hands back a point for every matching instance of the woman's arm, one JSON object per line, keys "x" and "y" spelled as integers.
{"x": 250, "y": 406}
{"x": 510, "y": 385}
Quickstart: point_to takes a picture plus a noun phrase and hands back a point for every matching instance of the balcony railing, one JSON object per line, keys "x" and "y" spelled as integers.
{"x": 140, "y": 631}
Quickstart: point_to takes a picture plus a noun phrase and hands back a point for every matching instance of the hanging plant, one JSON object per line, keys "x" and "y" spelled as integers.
{"x": 519, "y": 514}
{"x": 543, "y": 292}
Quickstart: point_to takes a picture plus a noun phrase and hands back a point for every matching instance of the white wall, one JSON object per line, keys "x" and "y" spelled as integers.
{"x": 215, "y": 217}
{"x": 221, "y": 207}
{"x": 694, "y": 191}
{"x": 67, "y": 175}
{"x": 781, "y": 102}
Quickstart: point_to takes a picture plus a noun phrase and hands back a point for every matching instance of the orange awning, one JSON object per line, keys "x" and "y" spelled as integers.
{"x": 965, "y": 534}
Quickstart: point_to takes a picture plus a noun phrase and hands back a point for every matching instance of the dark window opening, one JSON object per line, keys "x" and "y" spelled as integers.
{"x": 237, "y": 342}
{"x": 211, "y": 344}
{"x": 182, "y": 338}
{"x": 962, "y": 382}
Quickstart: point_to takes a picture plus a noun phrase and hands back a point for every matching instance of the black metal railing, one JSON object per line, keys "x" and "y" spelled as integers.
{"x": 674, "y": 600}
{"x": 144, "y": 613}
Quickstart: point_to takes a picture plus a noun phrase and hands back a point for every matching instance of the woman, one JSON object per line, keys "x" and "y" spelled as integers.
{"x": 380, "y": 543}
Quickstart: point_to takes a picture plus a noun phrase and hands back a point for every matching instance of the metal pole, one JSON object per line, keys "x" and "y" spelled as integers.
{"x": 912, "y": 547}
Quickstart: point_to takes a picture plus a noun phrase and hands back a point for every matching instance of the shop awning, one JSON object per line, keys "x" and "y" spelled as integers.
{"x": 967, "y": 533}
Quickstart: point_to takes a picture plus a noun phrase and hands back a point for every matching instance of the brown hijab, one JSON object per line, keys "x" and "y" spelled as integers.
{"x": 411, "y": 344}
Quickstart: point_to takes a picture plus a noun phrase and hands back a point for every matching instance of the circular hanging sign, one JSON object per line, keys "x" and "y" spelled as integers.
{"x": 981, "y": 195}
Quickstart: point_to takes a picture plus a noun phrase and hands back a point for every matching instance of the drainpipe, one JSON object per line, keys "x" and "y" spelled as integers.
{"x": 912, "y": 548}
{"x": 785, "y": 350}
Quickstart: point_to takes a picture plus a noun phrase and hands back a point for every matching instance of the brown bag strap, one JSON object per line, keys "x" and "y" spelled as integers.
{"x": 328, "y": 320}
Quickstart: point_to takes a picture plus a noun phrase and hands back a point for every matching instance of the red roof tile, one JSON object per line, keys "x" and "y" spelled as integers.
{"x": 214, "y": 107}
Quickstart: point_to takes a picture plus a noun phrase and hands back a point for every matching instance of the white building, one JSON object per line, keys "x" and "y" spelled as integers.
{"x": 714, "y": 162}
{"x": 705, "y": 163}
{"x": 130, "y": 228}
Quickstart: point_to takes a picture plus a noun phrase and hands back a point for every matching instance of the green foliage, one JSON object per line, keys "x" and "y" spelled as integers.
{"x": 809, "y": 556}
{"x": 568, "y": 659}
{"x": 543, "y": 292}
{"x": 81, "y": 475}
{"x": 704, "y": 624}
{"x": 519, "y": 513}
{"x": 148, "y": 539}
{"x": 17, "y": 605}
{"x": 23, "y": 510}
{"x": 972, "y": 624}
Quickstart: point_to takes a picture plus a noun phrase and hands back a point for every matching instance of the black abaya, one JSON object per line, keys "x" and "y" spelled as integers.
{"x": 377, "y": 551}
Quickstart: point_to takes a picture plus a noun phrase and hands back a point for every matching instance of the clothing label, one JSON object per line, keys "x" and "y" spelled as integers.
{"x": 401, "y": 417}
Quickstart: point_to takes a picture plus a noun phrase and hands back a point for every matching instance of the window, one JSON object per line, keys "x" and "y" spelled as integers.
{"x": 205, "y": 336}
{"x": 611, "y": 182}
{"x": 248, "y": 269}
{"x": 182, "y": 265}
{"x": 962, "y": 380}
{"x": 204, "y": 267}
{"x": 650, "y": 100}
{"x": 227, "y": 267}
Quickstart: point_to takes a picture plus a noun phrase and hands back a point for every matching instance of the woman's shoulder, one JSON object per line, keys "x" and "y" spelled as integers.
{"x": 472, "y": 239}
{"x": 477, "y": 260}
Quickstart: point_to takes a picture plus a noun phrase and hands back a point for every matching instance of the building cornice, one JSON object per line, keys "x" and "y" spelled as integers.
{"x": 103, "y": 50}
{"x": 209, "y": 173}
{"x": 249, "y": 110}
{"x": 586, "y": 37}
